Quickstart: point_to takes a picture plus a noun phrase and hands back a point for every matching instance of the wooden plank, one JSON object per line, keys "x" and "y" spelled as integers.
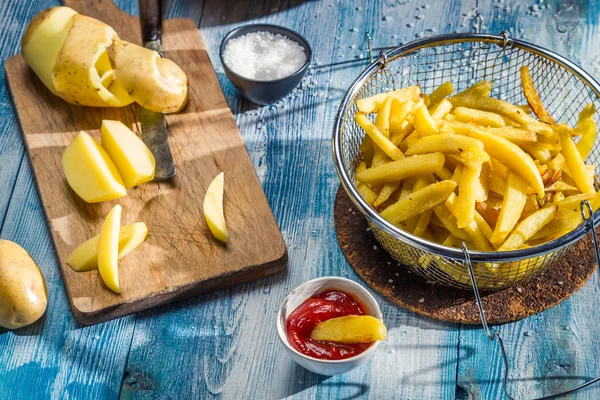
{"x": 234, "y": 350}
{"x": 180, "y": 258}
{"x": 556, "y": 349}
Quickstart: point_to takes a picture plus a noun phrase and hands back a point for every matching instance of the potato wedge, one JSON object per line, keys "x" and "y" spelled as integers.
{"x": 577, "y": 170}
{"x": 372, "y": 104}
{"x": 533, "y": 97}
{"x": 512, "y": 157}
{"x": 350, "y": 329}
{"x": 419, "y": 201}
{"x": 378, "y": 137}
{"x": 528, "y": 227}
{"x": 444, "y": 143}
{"x": 405, "y": 168}
{"x": 515, "y": 196}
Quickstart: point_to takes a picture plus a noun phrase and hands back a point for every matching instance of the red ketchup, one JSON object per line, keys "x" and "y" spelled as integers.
{"x": 319, "y": 308}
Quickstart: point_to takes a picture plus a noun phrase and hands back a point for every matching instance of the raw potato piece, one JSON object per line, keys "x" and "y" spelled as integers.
{"x": 90, "y": 172}
{"x": 213, "y": 208}
{"x": 44, "y": 38}
{"x": 155, "y": 83}
{"x": 23, "y": 296}
{"x": 108, "y": 249}
{"x": 132, "y": 158}
{"x": 350, "y": 329}
{"x": 85, "y": 257}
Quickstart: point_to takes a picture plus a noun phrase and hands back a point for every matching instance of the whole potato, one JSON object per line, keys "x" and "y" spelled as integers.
{"x": 23, "y": 296}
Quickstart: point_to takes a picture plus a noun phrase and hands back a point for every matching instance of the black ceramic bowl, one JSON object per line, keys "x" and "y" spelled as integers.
{"x": 265, "y": 92}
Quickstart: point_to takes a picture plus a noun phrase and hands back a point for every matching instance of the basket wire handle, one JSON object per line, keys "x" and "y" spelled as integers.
{"x": 588, "y": 218}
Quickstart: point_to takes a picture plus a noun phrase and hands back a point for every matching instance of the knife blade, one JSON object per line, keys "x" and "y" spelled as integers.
{"x": 154, "y": 125}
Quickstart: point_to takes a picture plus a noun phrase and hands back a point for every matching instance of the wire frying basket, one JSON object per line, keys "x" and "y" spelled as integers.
{"x": 465, "y": 59}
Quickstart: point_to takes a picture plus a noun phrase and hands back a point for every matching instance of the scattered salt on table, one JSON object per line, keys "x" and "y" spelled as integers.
{"x": 264, "y": 56}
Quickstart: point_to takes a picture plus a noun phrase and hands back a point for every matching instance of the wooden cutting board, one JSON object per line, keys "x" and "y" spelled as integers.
{"x": 180, "y": 258}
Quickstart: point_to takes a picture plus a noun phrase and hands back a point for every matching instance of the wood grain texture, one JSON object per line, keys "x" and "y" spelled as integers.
{"x": 180, "y": 258}
{"x": 222, "y": 344}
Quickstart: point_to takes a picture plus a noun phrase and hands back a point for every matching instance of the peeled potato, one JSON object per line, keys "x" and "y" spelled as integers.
{"x": 82, "y": 62}
{"x": 23, "y": 297}
{"x": 155, "y": 83}
{"x": 72, "y": 55}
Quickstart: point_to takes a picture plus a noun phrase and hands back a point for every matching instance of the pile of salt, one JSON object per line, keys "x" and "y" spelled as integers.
{"x": 264, "y": 56}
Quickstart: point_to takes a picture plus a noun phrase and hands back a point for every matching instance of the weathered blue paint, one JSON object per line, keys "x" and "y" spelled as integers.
{"x": 223, "y": 344}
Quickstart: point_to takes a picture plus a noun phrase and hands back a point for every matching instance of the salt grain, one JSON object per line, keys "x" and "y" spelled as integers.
{"x": 264, "y": 56}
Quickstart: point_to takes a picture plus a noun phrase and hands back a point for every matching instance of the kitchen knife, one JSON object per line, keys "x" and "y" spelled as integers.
{"x": 154, "y": 126}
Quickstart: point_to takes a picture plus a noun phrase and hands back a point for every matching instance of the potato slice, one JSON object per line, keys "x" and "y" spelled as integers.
{"x": 132, "y": 158}
{"x": 155, "y": 83}
{"x": 418, "y": 201}
{"x": 424, "y": 123}
{"x": 350, "y": 329}
{"x": 515, "y": 196}
{"x": 108, "y": 249}
{"x": 81, "y": 62}
{"x": 90, "y": 172}
{"x": 528, "y": 227}
{"x": 512, "y": 157}
{"x": 444, "y": 143}
{"x": 405, "y": 168}
{"x": 213, "y": 208}
{"x": 85, "y": 257}
{"x": 45, "y": 36}
{"x": 372, "y": 104}
{"x": 577, "y": 168}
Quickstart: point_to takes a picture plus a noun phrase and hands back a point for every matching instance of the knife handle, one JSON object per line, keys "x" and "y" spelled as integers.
{"x": 151, "y": 20}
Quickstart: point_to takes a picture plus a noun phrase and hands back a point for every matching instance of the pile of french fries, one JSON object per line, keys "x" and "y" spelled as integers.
{"x": 476, "y": 169}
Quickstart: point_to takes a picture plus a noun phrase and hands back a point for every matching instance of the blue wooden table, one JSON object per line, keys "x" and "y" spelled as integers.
{"x": 224, "y": 344}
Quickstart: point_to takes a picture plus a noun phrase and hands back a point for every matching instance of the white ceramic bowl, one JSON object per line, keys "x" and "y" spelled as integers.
{"x": 306, "y": 290}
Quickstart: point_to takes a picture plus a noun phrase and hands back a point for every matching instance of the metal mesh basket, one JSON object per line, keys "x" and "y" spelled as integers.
{"x": 465, "y": 59}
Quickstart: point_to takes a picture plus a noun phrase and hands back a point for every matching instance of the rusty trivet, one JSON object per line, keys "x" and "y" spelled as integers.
{"x": 394, "y": 281}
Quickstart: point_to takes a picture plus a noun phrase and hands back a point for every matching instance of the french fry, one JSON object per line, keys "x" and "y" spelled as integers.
{"x": 482, "y": 88}
{"x": 525, "y": 108}
{"x": 382, "y": 120}
{"x": 533, "y": 97}
{"x": 408, "y": 167}
{"x": 444, "y": 143}
{"x": 399, "y": 110}
{"x": 441, "y": 109}
{"x": 365, "y": 191}
{"x": 419, "y": 183}
{"x": 494, "y": 105}
{"x": 366, "y": 148}
{"x": 484, "y": 118}
{"x": 372, "y": 104}
{"x": 386, "y": 191}
{"x": 440, "y": 93}
{"x": 512, "y": 157}
{"x": 422, "y": 223}
{"x": 467, "y": 194}
{"x": 472, "y": 157}
{"x": 449, "y": 222}
{"x": 560, "y": 186}
{"x": 419, "y": 201}
{"x": 444, "y": 173}
{"x": 577, "y": 170}
{"x": 378, "y": 137}
{"x": 528, "y": 227}
{"x": 424, "y": 123}
{"x": 489, "y": 213}
{"x": 516, "y": 135}
{"x": 476, "y": 234}
{"x": 586, "y": 127}
{"x": 513, "y": 203}
{"x": 457, "y": 173}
